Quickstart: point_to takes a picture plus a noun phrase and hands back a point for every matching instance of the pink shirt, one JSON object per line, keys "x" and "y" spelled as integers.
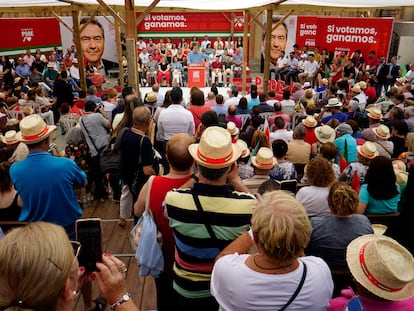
{"x": 338, "y": 304}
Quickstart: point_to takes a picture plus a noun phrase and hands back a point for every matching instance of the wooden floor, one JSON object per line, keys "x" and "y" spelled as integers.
{"x": 116, "y": 242}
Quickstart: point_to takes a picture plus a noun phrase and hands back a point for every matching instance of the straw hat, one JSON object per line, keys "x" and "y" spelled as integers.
{"x": 382, "y": 131}
{"x": 382, "y": 266}
{"x": 310, "y": 121}
{"x": 325, "y": 81}
{"x": 400, "y": 170}
{"x": 50, "y": 65}
{"x": 374, "y": 113}
{"x": 362, "y": 85}
{"x": 33, "y": 129}
{"x": 151, "y": 97}
{"x": 333, "y": 102}
{"x": 306, "y": 84}
{"x": 243, "y": 147}
{"x": 379, "y": 229}
{"x": 368, "y": 150}
{"x": 215, "y": 149}
{"x": 325, "y": 134}
{"x": 264, "y": 159}
{"x": 9, "y": 138}
{"x": 356, "y": 89}
{"x": 232, "y": 128}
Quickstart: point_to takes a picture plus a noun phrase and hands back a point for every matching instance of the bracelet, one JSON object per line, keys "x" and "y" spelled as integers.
{"x": 124, "y": 299}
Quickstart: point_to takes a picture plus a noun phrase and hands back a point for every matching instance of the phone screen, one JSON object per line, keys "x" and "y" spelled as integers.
{"x": 88, "y": 233}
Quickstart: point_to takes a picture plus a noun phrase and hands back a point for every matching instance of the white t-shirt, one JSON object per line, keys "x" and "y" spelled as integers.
{"x": 314, "y": 200}
{"x": 237, "y": 287}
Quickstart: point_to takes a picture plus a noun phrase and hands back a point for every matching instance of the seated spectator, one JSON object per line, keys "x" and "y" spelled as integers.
{"x": 398, "y": 137}
{"x": 219, "y": 108}
{"x": 380, "y": 194}
{"x": 346, "y": 144}
{"x": 283, "y": 170}
{"x": 310, "y": 123}
{"x": 383, "y": 273}
{"x": 366, "y": 153}
{"x": 264, "y": 107}
{"x": 331, "y": 234}
{"x": 245, "y": 170}
{"x": 262, "y": 163}
{"x": 280, "y": 131}
{"x": 231, "y": 116}
{"x": 242, "y": 106}
{"x": 385, "y": 147}
{"x": 247, "y": 135}
{"x": 40, "y": 271}
{"x": 277, "y": 108}
{"x": 324, "y": 134}
{"x": 92, "y": 90}
{"x": 328, "y": 151}
{"x": 197, "y": 107}
{"x": 271, "y": 275}
{"x": 299, "y": 151}
{"x": 314, "y": 197}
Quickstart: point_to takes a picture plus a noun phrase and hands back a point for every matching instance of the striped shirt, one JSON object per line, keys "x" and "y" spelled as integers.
{"x": 228, "y": 214}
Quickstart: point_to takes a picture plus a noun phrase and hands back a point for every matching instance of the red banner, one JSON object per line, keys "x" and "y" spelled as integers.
{"x": 191, "y": 23}
{"x": 343, "y": 33}
{"x": 30, "y": 33}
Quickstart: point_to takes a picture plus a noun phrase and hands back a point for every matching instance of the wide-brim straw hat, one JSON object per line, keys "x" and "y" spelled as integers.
{"x": 333, "y": 102}
{"x": 264, "y": 159}
{"x": 368, "y": 150}
{"x": 310, "y": 121}
{"x": 325, "y": 134}
{"x": 374, "y": 113}
{"x": 382, "y": 131}
{"x": 33, "y": 129}
{"x": 244, "y": 148}
{"x": 151, "y": 97}
{"x": 232, "y": 128}
{"x": 215, "y": 149}
{"x": 382, "y": 266}
{"x": 9, "y": 137}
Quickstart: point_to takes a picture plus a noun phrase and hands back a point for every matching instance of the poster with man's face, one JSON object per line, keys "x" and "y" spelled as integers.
{"x": 92, "y": 40}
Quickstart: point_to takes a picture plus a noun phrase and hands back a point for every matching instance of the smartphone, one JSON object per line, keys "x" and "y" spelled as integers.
{"x": 89, "y": 234}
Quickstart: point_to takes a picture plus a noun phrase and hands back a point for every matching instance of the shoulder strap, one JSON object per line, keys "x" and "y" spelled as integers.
{"x": 200, "y": 210}
{"x": 147, "y": 199}
{"x": 87, "y": 132}
{"x": 295, "y": 294}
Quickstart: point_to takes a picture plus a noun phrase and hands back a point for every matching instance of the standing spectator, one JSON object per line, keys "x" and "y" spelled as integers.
{"x": 95, "y": 128}
{"x": 175, "y": 119}
{"x": 180, "y": 163}
{"x": 197, "y": 243}
{"x": 44, "y": 182}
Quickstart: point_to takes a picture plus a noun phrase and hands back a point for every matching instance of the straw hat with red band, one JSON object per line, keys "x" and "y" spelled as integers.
{"x": 244, "y": 148}
{"x": 382, "y": 266}
{"x": 264, "y": 159}
{"x": 232, "y": 128}
{"x": 9, "y": 138}
{"x": 382, "y": 131}
{"x": 33, "y": 129}
{"x": 215, "y": 149}
{"x": 368, "y": 150}
{"x": 310, "y": 121}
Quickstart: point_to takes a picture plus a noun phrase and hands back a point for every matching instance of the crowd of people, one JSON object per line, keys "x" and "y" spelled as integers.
{"x": 220, "y": 161}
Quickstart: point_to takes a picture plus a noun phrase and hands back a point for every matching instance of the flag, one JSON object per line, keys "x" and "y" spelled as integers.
{"x": 355, "y": 184}
{"x": 267, "y": 130}
{"x": 342, "y": 163}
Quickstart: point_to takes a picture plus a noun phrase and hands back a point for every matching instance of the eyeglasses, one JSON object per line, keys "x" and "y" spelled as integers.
{"x": 88, "y": 39}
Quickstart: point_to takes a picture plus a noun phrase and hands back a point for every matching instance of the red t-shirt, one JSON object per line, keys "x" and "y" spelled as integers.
{"x": 160, "y": 186}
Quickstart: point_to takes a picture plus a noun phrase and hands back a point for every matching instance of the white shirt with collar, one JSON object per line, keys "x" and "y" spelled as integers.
{"x": 174, "y": 120}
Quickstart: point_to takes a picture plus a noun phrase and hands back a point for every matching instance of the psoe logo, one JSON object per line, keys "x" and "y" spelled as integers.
{"x": 27, "y": 34}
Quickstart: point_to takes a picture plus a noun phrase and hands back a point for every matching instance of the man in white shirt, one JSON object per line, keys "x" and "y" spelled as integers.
{"x": 144, "y": 56}
{"x": 234, "y": 96}
{"x": 175, "y": 119}
{"x": 205, "y": 42}
{"x": 74, "y": 71}
{"x": 310, "y": 70}
{"x": 280, "y": 131}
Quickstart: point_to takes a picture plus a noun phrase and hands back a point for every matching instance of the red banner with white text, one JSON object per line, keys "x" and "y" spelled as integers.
{"x": 32, "y": 33}
{"x": 338, "y": 34}
{"x": 187, "y": 24}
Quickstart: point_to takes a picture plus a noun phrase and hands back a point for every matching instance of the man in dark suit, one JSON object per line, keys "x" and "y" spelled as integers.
{"x": 381, "y": 75}
{"x": 393, "y": 72}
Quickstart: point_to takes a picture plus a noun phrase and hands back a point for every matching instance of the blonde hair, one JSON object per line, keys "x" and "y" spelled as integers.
{"x": 343, "y": 200}
{"x": 36, "y": 261}
{"x": 280, "y": 225}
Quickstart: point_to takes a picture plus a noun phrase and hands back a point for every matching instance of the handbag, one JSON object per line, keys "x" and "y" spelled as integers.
{"x": 110, "y": 158}
{"x": 146, "y": 240}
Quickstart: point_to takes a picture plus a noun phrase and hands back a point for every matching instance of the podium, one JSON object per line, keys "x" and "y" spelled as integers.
{"x": 196, "y": 75}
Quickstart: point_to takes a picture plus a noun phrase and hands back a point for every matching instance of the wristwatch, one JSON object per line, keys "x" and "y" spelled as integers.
{"x": 124, "y": 299}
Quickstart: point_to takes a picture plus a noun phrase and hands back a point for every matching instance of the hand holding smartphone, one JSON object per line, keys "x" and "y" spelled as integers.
{"x": 89, "y": 234}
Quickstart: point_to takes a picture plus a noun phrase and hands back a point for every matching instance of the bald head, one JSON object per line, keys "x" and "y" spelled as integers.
{"x": 210, "y": 96}
{"x": 177, "y": 152}
{"x": 232, "y": 110}
{"x": 141, "y": 116}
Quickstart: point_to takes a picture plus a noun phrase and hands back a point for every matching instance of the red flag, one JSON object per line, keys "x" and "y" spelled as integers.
{"x": 267, "y": 130}
{"x": 342, "y": 163}
{"x": 355, "y": 182}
